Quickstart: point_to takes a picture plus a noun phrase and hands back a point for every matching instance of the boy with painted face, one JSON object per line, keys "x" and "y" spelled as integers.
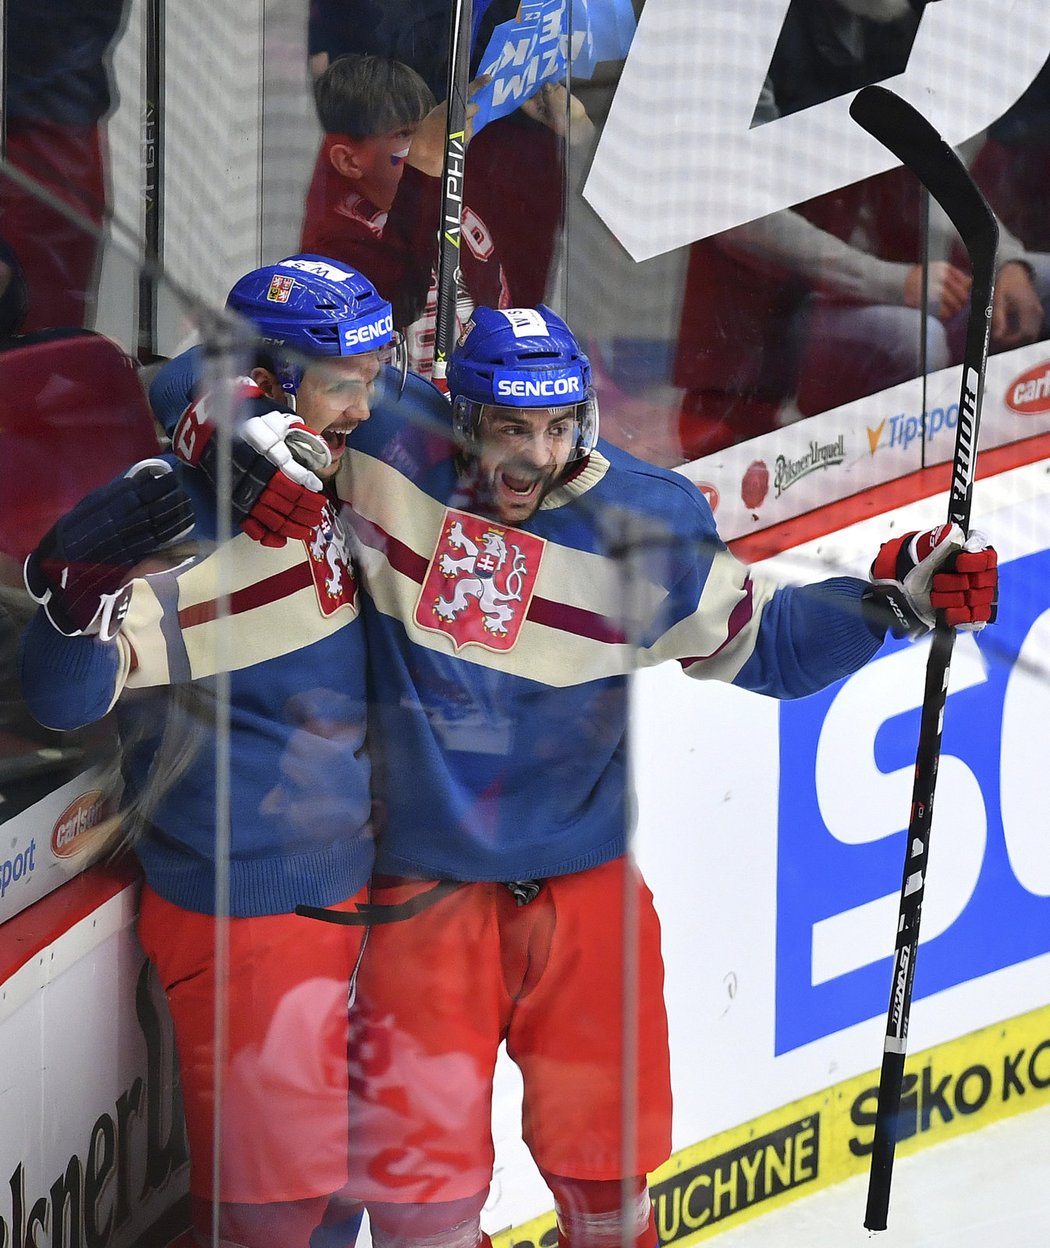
{"x": 374, "y": 199}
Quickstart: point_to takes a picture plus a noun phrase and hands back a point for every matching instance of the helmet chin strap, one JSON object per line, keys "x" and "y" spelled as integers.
{"x": 290, "y": 376}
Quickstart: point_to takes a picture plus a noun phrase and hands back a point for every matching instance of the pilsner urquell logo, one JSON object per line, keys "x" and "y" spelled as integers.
{"x": 820, "y": 455}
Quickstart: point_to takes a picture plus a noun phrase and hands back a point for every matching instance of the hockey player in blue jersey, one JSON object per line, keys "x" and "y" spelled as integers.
{"x": 517, "y": 569}
{"x": 288, "y": 640}
{"x": 515, "y": 572}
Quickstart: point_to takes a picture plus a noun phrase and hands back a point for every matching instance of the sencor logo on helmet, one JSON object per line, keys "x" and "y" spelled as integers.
{"x": 551, "y": 387}
{"x": 355, "y": 334}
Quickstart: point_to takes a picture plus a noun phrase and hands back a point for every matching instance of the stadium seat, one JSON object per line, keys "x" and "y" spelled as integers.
{"x": 73, "y": 414}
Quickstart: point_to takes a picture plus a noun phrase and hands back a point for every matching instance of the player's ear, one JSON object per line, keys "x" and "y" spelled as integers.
{"x": 268, "y": 383}
{"x": 344, "y": 158}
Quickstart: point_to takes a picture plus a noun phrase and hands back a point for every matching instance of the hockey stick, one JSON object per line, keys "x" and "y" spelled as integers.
{"x": 152, "y": 147}
{"x": 898, "y": 126}
{"x": 452, "y": 187}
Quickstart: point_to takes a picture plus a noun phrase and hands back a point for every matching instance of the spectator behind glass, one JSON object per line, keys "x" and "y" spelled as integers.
{"x": 819, "y": 305}
{"x": 58, "y": 92}
{"x": 1013, "y": 167}
{"x": 374, "y": 200}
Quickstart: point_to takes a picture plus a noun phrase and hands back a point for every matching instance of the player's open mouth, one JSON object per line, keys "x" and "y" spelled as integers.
{"x": 520, "y": 487}
{"x": 336, "y": 440}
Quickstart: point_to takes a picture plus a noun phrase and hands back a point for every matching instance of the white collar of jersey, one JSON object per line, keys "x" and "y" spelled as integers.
{"x": 586, "y": 479}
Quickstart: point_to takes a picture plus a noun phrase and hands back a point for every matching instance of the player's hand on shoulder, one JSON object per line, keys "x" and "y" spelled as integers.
{"x": 80, "y": 569}
{"x": 938, "y": 576}
{"x": 273, "y": 491}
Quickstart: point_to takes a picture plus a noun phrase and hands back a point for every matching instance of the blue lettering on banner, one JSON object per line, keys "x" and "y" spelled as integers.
{"x": 846, "y": 761}
{"x": 906, "y": 429}
{"x": 18, "y": 867}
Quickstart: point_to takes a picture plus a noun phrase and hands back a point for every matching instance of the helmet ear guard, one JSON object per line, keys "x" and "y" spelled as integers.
{"x": 465, "y": 417}
{"x": 587, "y": 422}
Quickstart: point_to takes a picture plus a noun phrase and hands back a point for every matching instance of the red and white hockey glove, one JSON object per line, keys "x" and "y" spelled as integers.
{"x": 274, "y": 495}
{"x": 936, "y": 577}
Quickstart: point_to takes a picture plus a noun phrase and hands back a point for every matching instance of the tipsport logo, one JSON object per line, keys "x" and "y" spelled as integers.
{"x": 13, "y": 869}
{"x": 902, "y": 430}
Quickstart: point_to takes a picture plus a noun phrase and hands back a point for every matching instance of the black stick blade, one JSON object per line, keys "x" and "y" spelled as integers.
{"x": 902, "y": 129}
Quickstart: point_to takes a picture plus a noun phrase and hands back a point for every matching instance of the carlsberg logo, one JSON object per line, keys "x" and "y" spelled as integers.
{"x": 549, "y": 388}
{"x": 358, "y": 335}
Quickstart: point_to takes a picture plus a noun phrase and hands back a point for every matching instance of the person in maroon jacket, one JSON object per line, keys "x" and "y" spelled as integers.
{"x": 374, "y": 201}
{"x": 57, "y": 95}
{"x": 374, "y": 198}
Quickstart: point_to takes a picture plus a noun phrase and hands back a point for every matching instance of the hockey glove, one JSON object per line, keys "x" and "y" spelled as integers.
{"x": 81, "y": 567}
{"x": 273, "y": 496}
{"x": 936, "y": 577}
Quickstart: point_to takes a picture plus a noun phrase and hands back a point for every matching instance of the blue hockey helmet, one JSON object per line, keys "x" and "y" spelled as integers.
{"x": 312, "y": 306}
{"x": 521, "y": 357}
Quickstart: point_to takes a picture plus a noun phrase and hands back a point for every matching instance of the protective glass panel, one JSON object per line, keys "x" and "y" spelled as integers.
{"x": 368, "y": 837}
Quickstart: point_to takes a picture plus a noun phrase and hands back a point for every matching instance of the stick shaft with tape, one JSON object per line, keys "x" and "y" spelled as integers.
{"x": 898, "y": 126}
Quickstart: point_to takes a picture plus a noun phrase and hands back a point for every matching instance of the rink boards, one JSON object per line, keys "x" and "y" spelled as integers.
{"x": 821, "y": 1139}
{"x": 771, "y": 837}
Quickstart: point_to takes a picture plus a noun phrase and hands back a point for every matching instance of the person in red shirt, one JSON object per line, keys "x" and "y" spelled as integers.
{"x": 374, "y": 198}
{"x": 374, "y": 201}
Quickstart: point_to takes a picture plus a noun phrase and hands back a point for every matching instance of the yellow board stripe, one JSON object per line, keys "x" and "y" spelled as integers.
{"x": 821, "y": 1139}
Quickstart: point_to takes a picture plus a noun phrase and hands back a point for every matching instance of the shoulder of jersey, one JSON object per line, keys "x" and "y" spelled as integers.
{"x": 172, "y": 388}
{"x": 421, "y": 404}
{"x": 664, "y": 496}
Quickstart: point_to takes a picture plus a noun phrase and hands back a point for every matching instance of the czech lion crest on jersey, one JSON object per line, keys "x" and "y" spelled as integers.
{"x": 480, "y": 582}
{"x": 330, "y": 564}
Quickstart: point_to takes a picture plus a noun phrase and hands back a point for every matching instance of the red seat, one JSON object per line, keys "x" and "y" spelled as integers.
{"x": 73, "y": 414}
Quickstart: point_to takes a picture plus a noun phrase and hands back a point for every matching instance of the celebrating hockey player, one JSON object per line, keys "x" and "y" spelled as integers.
{"x": 517, "y": 570}
{"x": 298, "y": 800}
{"x": 514, "y": 577}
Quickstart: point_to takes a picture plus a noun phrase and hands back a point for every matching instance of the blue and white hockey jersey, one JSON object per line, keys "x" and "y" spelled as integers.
{"x": 498, "y": 657}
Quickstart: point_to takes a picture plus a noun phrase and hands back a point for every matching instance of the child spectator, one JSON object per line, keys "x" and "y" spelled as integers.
{"x": 374, "y": 201}
{"x": 374, "y": 198}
